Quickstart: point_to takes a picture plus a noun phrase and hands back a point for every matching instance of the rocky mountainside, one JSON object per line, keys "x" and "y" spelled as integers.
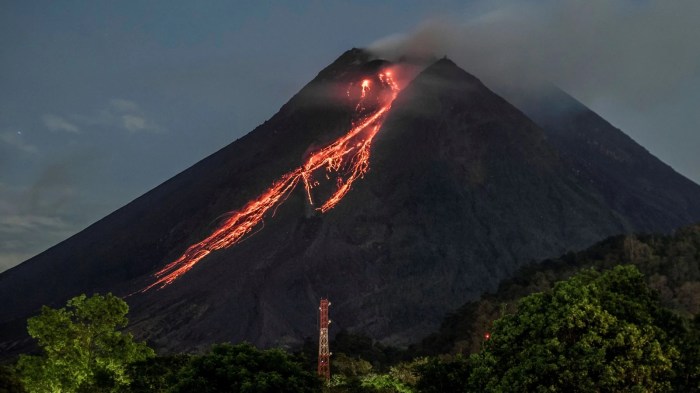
{"x": 462, "y": 190}
{"x": 633, "y": 182}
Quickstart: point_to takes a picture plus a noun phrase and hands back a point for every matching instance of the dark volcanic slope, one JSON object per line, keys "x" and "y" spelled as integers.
{"x": 463, "y": 189}
{"x": 634, "y": 183}
{"x": 158, "y": 226}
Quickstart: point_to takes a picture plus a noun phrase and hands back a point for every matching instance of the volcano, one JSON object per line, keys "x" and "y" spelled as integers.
{"x": 399, "y": 199}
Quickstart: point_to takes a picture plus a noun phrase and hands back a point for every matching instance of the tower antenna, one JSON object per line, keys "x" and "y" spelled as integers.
{"x": 324, "y": 353}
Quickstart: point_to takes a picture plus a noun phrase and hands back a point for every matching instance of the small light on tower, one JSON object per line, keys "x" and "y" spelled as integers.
{"x": 487, "y": 336}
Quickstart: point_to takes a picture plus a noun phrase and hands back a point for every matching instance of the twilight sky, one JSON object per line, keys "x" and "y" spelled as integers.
{"x": 101, "y": 101}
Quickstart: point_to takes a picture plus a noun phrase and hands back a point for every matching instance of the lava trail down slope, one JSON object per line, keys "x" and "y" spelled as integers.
{"x": 347, "y": 159}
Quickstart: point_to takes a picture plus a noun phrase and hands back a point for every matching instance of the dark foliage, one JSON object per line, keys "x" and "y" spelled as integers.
{"x": 244, "y": 368}
{"x": 447, "y": 375}
{"x": 9, "y": 380}
{"x": 595, "y": 332}
{"x": 670, "y": 263}
{"x": 157, "y": 374}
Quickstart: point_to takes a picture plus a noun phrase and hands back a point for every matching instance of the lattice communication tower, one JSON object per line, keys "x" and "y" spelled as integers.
{"x": 324, "y": 353}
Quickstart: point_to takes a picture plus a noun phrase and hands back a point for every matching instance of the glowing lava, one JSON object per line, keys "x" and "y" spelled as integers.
{"x": 347, "y": 158}
{"x": 365, "y": 88}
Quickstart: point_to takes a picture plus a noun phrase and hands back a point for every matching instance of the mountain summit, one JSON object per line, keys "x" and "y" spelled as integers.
{"x": 461, "y": 190}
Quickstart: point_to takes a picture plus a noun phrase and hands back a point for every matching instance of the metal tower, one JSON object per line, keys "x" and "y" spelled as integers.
{"x": 324, "y": 353}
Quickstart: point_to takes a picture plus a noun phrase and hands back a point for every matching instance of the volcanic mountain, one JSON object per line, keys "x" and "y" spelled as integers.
{"x": 461, "y": 190}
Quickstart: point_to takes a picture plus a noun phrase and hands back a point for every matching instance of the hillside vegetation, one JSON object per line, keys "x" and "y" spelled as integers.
{"x": 670, "y": 264}
{"x": 619, "y": 316}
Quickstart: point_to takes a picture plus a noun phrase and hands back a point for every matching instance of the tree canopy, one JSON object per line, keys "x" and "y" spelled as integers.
{"x": 596, "y": 332}
{"x": 83, "y": 349}
{"x": 246, "y": 369}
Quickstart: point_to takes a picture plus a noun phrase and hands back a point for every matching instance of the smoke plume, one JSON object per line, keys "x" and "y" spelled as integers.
{"x": 630, "y": 50}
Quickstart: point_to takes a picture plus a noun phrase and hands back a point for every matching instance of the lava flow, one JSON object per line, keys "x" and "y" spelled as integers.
{"x": 347, "y": 158}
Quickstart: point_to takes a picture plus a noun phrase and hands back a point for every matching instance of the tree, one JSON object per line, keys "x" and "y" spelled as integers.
{"x": 356, "y": 375}
{"x": 158, "y": 374}
{"x": 244, "y": 368}
{"x": 9, "y": 380}
{"x": 592, "y": 333}
{"x": 384, "y": 383}
{"x": 443, "y": 375}
{"x": 83, "y": 350}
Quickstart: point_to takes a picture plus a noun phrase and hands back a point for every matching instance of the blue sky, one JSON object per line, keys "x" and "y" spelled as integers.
{"x": 101, "y": 101}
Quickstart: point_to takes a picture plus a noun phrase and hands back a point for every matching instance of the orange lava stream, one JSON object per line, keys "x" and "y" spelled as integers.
{"x": 351, "y": 151}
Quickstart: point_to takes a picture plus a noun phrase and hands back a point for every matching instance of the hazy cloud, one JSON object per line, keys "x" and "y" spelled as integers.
{"x": 8, "y": 259}
{"x": 14, "y": 224}
{"x": 122, "y": 105}
{"x": 633, "y": 51}
{"x": 23, "y": 235}
{"x": 130, "y": 117}
{"x": 57, "y": 123}
{"x": 45, "y": 211}
{"x": 121, "y": 114}
{"x": 48, "y": 203}
{"x": 134, "y": 123}
{"x": 27, "y": 227}
{"x": 15, "y": 140}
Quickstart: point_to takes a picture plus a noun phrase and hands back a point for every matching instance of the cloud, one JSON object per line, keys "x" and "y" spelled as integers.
{"x": 48, "y": 209}
{"x": 134, "y": 123}
{"x": 121, "y": 114}
{"x": 8, "y": 260}
{"x": 128, "y": 116}
{"x": 15, "y": 140}
{"x": 122, "y": 105}
{"x": 27, "y": 227}
{"x": 628, "y": 50}
{"x": 28, "y": 223}
{"x": 56, "y": 123}
{"x": 23, "y": 235}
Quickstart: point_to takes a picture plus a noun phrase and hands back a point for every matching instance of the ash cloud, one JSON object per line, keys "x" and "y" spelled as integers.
{"x": 636, "y": 63}
{"x": 633, "y": 50}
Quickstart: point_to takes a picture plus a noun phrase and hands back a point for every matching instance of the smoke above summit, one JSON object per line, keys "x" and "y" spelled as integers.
{"x": 636, "y": 63}
{"x": 594, "y": 47}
